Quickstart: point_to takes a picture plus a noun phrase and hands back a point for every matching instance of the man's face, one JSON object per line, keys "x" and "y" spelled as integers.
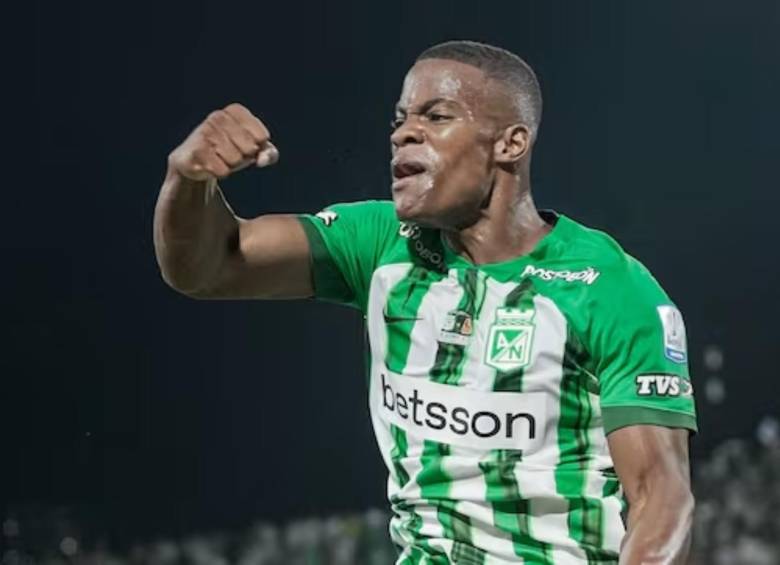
{"x": 442, "y": 144}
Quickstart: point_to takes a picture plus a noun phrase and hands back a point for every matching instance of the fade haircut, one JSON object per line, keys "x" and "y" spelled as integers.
{"x": 500, "y": 65}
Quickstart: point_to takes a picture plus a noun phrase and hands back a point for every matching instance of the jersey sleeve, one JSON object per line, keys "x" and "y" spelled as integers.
{"x": 640, "y": 350}
{"x": 346, "y": 242}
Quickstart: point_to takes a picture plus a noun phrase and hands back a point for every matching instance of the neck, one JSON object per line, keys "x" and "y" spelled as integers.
{"x": 508, "y": 227}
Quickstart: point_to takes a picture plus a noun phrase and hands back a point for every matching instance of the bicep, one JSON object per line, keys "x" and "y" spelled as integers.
{"x": 269, "y": 258}
{"x": 648, "y": 455}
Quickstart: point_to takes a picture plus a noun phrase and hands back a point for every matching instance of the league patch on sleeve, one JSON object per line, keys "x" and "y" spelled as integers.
{"x": 675, "y": 347}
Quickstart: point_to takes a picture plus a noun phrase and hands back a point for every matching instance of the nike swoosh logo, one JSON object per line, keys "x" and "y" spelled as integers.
{"x": 393, "y": 319}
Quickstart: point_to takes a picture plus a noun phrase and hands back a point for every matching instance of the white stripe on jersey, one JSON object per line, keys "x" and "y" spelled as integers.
{"x": 535, "y": 476}
{"x": 471, "y": 487}
{"x": 484, "y": 533}
{"x": 442, "y": 297}
{"x": 384, "y": 279}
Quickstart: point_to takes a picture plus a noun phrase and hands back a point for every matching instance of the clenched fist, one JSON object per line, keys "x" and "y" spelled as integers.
{"x": 227, "y": 141}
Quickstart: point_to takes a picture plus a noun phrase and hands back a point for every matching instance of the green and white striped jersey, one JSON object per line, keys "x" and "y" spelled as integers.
{"x": 492, "y": 387}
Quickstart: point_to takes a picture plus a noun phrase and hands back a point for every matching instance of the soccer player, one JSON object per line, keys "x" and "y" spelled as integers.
{"x": 527, "y": 375}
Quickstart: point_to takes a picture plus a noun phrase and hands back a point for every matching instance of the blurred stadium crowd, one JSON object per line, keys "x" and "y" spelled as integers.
{"x": 737, "y": 499}
{"x": 737, "y": 523}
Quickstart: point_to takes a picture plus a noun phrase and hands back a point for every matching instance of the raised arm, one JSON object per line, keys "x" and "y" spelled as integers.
{"x": 652, "y": 464}
{"x": 203, "y": 249}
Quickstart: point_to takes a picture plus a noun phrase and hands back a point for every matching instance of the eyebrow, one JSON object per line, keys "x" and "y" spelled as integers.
{"x": 427, "y": 105}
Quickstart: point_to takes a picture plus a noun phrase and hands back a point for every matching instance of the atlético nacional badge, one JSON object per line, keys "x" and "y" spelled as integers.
{"x": 510, "y": 339}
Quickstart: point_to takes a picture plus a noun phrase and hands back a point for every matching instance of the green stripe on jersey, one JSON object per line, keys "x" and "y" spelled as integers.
{"x": 585, "y": 518}
{"x": 398, "y": 452}
{"x": 403, "y": 303}
{"x": 434, "y": 482}
{"x": 510, "y": 510}
{"x": 402, "y": 307}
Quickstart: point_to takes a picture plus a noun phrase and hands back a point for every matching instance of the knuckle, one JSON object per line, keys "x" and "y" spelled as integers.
{"x": 245, "y": 142}
{"x": 197, "y": 168}
{"x": 193, "y": 163}
{"x": 230, "y": 155}
{"x": 215, "y": 117}
{"x": 210, "y": 137}
{"x": 198, "y": 154}
{"x": 260, "y": 134}
{"x": 231, "y": 160}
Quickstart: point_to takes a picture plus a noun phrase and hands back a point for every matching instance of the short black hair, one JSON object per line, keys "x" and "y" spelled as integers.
{"x": 501, "y": 65}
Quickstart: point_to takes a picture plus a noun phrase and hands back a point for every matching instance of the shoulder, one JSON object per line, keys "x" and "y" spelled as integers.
{"x": 621, "y": 276}
{"x": 367, "y": 230}
{"x": 358, "y": 225}
{"x": 372, "y": 210}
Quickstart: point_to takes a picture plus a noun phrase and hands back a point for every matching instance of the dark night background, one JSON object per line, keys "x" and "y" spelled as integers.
{"x": 150, "y": 412}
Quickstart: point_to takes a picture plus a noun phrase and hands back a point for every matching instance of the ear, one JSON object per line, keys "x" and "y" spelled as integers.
{"x": 513, "y": 145}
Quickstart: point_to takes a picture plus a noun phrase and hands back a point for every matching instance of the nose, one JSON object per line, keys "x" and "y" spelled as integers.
{"x": 409, "y": 131}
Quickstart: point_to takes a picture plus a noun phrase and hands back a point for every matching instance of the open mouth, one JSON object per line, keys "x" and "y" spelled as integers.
{"x": 404, "y": 169}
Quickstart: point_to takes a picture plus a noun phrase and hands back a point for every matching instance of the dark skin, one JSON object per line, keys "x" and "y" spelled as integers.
{"x": 653, "y": 467}
{"x": 462, "y": 134}
{"x": 476, "y": 186}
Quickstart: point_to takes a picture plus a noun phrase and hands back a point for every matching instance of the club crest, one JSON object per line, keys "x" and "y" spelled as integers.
{"x": 510, "y": 339}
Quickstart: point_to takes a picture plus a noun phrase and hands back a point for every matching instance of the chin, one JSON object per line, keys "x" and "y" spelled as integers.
{"x": 411, "y": 210}
{"x": 406, "y": 208}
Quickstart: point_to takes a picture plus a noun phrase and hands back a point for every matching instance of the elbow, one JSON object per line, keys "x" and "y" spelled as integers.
{"x": 178, "y": 284}
{"x": 180, "y": 273}
{"x": 180, "y": 281}
{"x": 190, "y": 291}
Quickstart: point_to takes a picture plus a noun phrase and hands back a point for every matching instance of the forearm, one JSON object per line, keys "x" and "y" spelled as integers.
{"x": 659, "y": 527}
{"x": 193, "y": 230}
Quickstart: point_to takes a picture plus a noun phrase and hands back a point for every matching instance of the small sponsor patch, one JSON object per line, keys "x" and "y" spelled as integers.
{"x": 587, "y": 276}
{"x": 663, "y": 384}
{"x": 675, "y": 348}
{"x": 458, "y": 327}
{"x": 327, "y": 217}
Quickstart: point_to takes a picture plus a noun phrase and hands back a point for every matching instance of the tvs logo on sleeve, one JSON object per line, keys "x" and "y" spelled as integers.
{"x": 663, "y": 385}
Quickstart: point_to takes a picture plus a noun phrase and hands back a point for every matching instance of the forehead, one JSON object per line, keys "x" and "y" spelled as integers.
{"x": 439, "y": 78}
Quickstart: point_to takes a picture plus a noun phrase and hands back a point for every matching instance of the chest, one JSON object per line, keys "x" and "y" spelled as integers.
{"x": 466, "y": 329}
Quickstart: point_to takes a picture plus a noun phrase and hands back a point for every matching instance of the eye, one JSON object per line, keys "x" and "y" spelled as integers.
{"x": 396, "y": 123}
{"x": 435, "y": 117}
